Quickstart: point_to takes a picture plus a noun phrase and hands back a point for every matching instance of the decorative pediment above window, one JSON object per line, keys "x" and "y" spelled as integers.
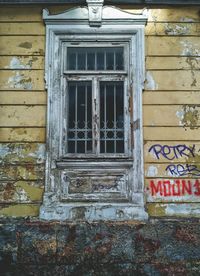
{"x": 96, "y": 14}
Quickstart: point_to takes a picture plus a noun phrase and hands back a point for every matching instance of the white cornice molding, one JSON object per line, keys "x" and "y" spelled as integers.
{"x": 96, "y": 14}
{"x": 112, "y": 2}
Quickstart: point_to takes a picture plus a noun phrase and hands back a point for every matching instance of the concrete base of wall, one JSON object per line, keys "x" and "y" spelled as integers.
{"x": 156, "y": 247}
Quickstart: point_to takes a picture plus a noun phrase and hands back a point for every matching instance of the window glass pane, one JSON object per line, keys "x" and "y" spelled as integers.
{"x": 119, "y": 60}
{"x": 81, "y": 61}
{"x": 90, "y": 61}
{"x": 100, "y": 59}
{"x": 71, "y": 61}
{"x": 95, "y": 58}
{"x": 112, "y": 117}
{"x": 80, "y": 117}
{"x": 109, "y": 60}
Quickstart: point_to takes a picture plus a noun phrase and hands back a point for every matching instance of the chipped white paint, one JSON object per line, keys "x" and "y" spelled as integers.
{"x": 152, "y": 171}
{"x": 21, "y": 195}
{"x": 19, "y": 152}
{"x": 4, "y": 150}
{"x": 172, "y": 29}
{"x": 189, "y": 48}
{"x": 15, "y": 81}
{"x": 19, "y": 81}
{"x": 39, "y": 153}
{"x": 180, "y": 115}
{"x": 15, "y": 63}
{"x": 150, "y": 83}
{"x": 94, "y": 212}
{"x": 182, "y": 210}
{"x": 186, "y": 19}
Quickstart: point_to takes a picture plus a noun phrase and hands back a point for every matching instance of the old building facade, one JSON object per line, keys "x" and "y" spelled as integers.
{"x": 126, "y": 200}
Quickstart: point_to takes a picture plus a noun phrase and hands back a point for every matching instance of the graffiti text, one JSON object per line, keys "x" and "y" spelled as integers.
{"x": 172, "y": 152}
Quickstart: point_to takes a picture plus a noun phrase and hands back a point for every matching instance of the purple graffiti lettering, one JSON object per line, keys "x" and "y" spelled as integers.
{"x": 183, "y": 170}
{"x": 172, "y": 169}
{"x": 157, "y": 150}
{"x": 172, "y": 152}
{"x": 183, "y": 150}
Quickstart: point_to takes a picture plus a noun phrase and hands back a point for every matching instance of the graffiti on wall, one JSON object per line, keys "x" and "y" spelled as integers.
{"x": 179, "y": 187}
{"x": 172, "y": 152}
{"x": 175, "y": 187}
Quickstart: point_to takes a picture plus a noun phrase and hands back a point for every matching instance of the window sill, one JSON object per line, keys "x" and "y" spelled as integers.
{"x": 93, "y": 212}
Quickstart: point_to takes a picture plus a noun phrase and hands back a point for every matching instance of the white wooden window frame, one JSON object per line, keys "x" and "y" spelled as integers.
{"x": 96, "y": 77}
{"x": 125, "y": 200}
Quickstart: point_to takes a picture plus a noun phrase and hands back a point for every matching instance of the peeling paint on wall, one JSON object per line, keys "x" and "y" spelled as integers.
{"x": 17, "y": 63}
{"x": 19, "y": 81}
{"x": 150, "y": 83}
{"x": 180, "y": 115}
{"x": 21, "y": 195}
{"x": 3, "y": 151}
{"x": 183, "y": 209}
{"x": 21, "y": 172}
{"x": 33, "y": 192}
{"x": 152, "y": 171}
{"x": 189, "y": 49}
{"x": 175, "y": 29}
{"x": 191, "y": 117}
{"x": 39, "y": 153}
{"x": 24, "y": 152}
{"x": 20, "y": 191}
{"x": 187, "y": 19}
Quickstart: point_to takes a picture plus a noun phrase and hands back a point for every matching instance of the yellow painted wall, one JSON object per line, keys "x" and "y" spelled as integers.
{"x": 170, "y": 103}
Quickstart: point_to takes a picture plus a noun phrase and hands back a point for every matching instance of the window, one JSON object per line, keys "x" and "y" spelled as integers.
{"x": 97, "y": 100}
{"x": 94, "y": 75}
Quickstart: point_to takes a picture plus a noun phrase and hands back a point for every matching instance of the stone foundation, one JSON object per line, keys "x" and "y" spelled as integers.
{"x": 157, "y": 247}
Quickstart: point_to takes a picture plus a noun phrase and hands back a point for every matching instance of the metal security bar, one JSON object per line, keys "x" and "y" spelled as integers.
{"x": 80, "y": 117}
{"x": 111, "y": 117}
{"x": 93, "y": 58}
{"x": 97, "y": 101}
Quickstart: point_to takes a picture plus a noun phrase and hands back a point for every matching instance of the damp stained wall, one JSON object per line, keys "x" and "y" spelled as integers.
{"x": 171, "y": 111}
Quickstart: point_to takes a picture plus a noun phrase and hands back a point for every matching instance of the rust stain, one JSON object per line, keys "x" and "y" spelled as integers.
{"x": 7, "y": 191}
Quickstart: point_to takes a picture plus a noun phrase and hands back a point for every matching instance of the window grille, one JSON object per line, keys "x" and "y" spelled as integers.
{"x": 96, "y": 102}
